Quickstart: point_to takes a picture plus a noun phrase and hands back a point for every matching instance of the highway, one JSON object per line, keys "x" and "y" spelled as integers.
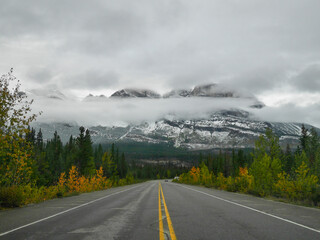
{"x": 160, "y": 210}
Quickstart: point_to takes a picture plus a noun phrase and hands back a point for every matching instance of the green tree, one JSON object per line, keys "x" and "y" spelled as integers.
{"x": 266, "y": 164}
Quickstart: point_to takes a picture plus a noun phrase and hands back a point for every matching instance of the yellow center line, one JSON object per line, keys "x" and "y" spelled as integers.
{"x": 171, "y": 230}
{"x": 161, "y": 235}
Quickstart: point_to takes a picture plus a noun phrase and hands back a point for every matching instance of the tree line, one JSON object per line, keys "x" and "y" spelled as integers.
{"x": 266, "y": 171}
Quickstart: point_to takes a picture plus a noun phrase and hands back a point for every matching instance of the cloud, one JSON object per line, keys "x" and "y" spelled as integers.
{"x": 117, "y": 112}
{"x": 125, "y": 111}
{"x": 90, "y": 80}
{"x": 90, "y": 45}
{"x": 308, "y": 79}
{"x": 290, "y": 113}
{"x": 41, "y": 75}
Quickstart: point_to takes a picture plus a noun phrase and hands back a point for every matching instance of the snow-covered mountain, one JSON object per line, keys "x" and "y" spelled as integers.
{"x": 178, "y": 93}
{"x": 214, "y": 91}
{"x": 47, "y": 93}
{"x": 135, "y": 93}
{"x": 224, "y": 127}
{"x": 92, "y": 98}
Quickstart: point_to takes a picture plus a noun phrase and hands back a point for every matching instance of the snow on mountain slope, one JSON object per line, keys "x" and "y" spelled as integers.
{"x": 135, "y": 93}
{"x": 224, "y": 129}
{"x": 193, "y": 123}
{"x": 92, "y": 98}
{"x": 47, "y": 93}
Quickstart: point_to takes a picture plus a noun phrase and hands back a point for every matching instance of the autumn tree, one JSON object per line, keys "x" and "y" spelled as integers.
{"x": 15, "y": 116}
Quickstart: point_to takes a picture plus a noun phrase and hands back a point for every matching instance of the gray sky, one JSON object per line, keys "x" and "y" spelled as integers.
{"x": 270, "y": 48}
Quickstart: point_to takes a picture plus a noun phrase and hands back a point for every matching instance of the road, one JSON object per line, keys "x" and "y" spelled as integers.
{"x": 160, "y": 210}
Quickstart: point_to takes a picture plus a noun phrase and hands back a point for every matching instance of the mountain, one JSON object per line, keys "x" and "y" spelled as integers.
{"x": 213, "y": 90}
{"x": 47, "y": 93}
{"x": 223, "y": 129}
{"x": 92, "y": 98}
{"x": 135, "y": 93}
{"x": 178, "y": 93}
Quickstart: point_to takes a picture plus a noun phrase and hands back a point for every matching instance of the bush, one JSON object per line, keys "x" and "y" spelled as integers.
{"x": 11, "y": 196}
{"x": 303, "y": 187}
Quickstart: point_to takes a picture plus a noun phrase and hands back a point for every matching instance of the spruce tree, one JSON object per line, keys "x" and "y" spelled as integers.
{"x": 85, "y": 161}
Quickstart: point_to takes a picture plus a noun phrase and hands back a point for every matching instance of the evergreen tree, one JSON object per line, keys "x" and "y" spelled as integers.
{"x": 289, "y": 160}
{"x": 98, "y": 153}
{"x": 123, "y": 167}
{"x": 84, "y": 161}
{"x": 31, "y": 136}
{"x": 314, "y": 147}
{"x": 89, "y": 162}
{"x": 54, "y": 149}
{"x": 304, "y": 138}
{"x": 39, "y": 141}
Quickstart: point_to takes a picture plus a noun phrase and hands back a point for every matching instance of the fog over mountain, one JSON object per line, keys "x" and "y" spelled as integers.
{"x": 109, "y": 111}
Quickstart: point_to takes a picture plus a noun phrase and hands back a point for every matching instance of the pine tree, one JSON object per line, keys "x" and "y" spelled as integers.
{"x": 39, "y": 141}
{"x": 304, "y": 138}
{"x": 314, "y": 147}
{"x": 289, "y": 161}
{"x": 31, "y": 136}
{"x": 123, "y": 167}
{"x": 84, "y": 161}
{"x": 55, "y": 161}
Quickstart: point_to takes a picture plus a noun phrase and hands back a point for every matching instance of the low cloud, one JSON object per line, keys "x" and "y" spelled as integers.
{"x": 290, "y": 113}
{"x": 90, "y": 80}
{"x": 125, "y": 111}
{"x": 308, "y": 79}
{"x": 134, "y": 111}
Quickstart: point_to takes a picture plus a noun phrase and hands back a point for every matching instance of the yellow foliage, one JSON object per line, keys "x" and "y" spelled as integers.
{"x": 73, "y": 180}
{"x": 62, "y": 181}
{"x": 195, "y": 175}
{"x": 221, "y": 181}
{"x": 300, "y": 188}
{"x": 243, "y": 171}
{"x": 244, "y": 182}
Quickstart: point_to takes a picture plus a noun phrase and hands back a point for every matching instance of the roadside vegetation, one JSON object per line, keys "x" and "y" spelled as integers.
{"x": 267, "y": 171}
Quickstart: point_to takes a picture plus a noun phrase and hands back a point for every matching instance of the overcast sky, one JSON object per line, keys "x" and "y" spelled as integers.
{"x": 270, "y": 48}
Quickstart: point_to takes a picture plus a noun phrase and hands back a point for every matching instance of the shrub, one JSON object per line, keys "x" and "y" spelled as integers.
{"x": 244, "y": 182}
{"x": 302, "y": 187}
{"x": 11, "y": 196}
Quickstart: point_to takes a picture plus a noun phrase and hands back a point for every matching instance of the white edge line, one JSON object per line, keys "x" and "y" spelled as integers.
{"x": 68, "y": 210}
{"x": 253, "y": 209}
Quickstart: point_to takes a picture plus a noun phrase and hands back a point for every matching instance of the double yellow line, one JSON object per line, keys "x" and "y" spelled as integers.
{"x": 170, "y": 226}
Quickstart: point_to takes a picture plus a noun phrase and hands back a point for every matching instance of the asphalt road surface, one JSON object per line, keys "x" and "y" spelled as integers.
{"x": 160, "y": 210}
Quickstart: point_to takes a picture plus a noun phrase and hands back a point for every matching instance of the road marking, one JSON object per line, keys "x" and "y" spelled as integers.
{"x": 171, "y": 230}
{"x": 68, "y": 210}
{"x": 161, "y": 234}
{"x": 253, "y": 209}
